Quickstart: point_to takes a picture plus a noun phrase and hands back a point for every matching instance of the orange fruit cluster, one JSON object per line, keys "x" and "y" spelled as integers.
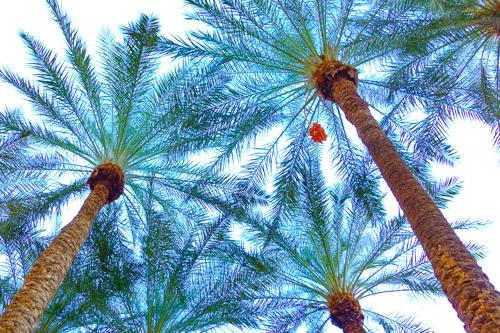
{"x": 317, "y": 133}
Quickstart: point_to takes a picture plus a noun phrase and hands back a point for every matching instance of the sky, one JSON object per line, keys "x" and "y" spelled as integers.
{"x": 478, "y": 168}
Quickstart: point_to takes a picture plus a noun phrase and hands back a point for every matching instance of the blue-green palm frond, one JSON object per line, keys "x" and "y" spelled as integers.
{"x": 191, "y": 277}
{"x": 396, "y": 323}
{"x": 15, "y": 185}
{"x": 450, "y": 55}
{"x": 289, "y": 176}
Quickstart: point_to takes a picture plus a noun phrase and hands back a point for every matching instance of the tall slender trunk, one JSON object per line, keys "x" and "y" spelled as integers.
{"x": 27, "y": 307}
{"x": 42, "y": 282}
{"x": 462, "y": 279}
{"x": 346, "y": 313}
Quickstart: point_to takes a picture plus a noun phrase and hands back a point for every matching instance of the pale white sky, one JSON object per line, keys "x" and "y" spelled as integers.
{"x": 478, "y": 169}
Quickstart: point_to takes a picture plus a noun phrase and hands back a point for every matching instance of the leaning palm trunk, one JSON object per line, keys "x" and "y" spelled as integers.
{"x": 27, "y": 307}
{"x": 346, "y": 313}
{"x": 463, "y": 281}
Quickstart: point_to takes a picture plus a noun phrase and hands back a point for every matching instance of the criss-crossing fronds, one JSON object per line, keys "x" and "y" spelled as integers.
{"x": 450, "y": 55}
{"x": 21, "y": 236}
{"x": 20, "y": 244}
{"x": 184, "y": 276}
{"x": 104, "y": 269}
{"x": 14, "y": 184}
{"x": 10, "y": 149}
{"x": 121, "y": 110}
{"x": 339, "y": 240}
{"x": 269, "y": 49}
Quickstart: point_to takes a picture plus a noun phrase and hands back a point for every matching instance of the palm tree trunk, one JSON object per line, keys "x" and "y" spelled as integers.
{"x": 346, "y": 313}
{"x": 42, "y": 282}
{"x": 462, "y": 279}
{"x": 354, "y": 327}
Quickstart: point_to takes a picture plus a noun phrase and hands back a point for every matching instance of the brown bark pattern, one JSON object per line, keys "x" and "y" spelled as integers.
{"x": 346, "y": 313}
{"x": 462, "y": 279}
{"x": 40, "y": 285}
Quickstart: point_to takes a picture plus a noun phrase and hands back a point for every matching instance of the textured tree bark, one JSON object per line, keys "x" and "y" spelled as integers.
{"x": 468, "y": 289}
{"x": 42, "y": 282}
{"x": 346, "y": 313}
{"x": 354, "y": 327}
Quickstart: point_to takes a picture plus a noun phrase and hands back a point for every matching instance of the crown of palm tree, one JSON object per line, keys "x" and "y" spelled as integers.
{"x": 331, "y": 247}
{"x": 122, "y": 112}
{"x": 273, "y": 50}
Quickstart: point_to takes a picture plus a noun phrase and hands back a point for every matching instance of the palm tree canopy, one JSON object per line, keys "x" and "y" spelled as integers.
{"x": 330, "y": 244}
{"x": 270, "y": 49}
{"x": 121, "y": 111}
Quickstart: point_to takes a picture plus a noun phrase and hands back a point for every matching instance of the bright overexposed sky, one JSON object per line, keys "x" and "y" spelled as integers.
{"x": 478, "y": 169}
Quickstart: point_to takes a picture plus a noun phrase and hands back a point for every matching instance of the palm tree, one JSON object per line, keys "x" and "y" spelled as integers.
{"x": 304, "y": 54}
{"x": 123, "y": 121}
{"x": 450, "y": 55}
{"x": 330, "y": 253}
